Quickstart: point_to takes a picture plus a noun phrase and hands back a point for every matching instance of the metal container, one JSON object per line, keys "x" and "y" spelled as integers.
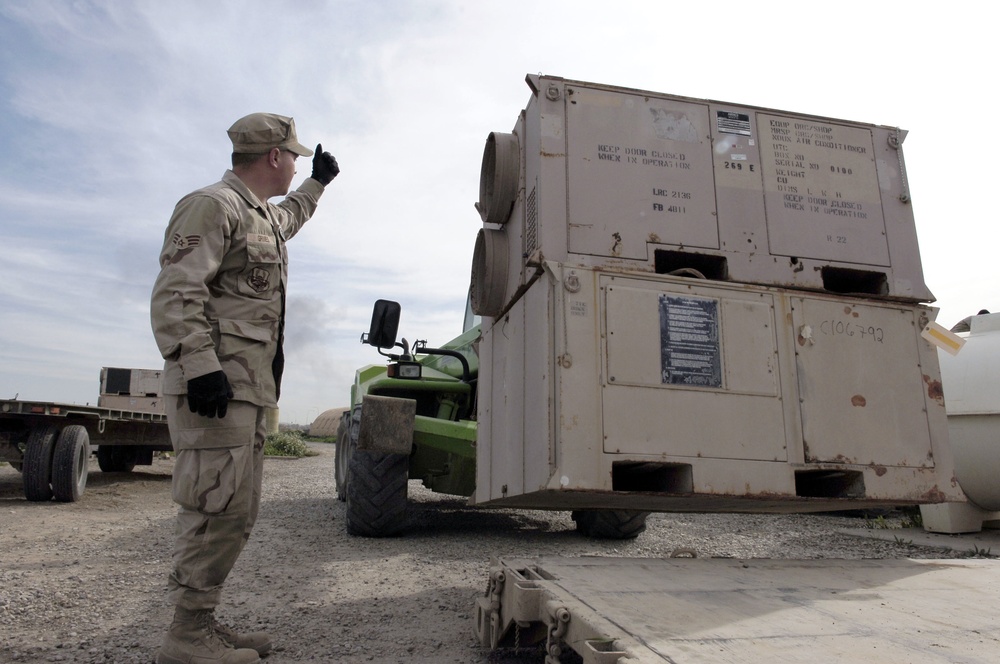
{"x": 663, "y": 330}
{"x": 131, "y": 382}
{"x": 624, "y": 179}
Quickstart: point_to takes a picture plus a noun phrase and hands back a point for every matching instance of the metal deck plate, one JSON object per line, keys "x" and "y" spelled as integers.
{"x": 766, "y": 610}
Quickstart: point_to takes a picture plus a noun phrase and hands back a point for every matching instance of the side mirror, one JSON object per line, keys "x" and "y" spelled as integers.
{"x": 385, "y": 324}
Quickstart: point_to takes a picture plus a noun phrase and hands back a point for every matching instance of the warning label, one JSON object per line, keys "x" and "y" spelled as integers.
{"x": 689, "y": 341}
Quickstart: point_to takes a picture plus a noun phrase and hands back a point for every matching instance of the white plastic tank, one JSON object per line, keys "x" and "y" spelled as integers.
{"x": 972, "y": 401}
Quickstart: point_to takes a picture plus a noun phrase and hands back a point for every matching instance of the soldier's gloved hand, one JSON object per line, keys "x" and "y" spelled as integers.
{"x": 209, "y": 395}
{"x": 325, "y": 166}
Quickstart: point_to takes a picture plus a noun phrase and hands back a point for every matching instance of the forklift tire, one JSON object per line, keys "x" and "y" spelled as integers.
{"x": 117, "y": 458}
{"x": 37, "y": 470}
{"x": 610, "y": 524}
{"x": 376, "y": 493}
{"x": 69, "y": 464}
{"x": 342, "y": 456}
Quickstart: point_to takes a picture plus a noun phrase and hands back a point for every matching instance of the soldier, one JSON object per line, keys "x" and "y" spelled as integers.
{"x": 217, "y": 312}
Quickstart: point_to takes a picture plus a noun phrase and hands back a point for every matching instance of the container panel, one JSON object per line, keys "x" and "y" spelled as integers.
{"x": 639, "y": 170}
{"x": 691, "y": 371}
{"x": 505, "y": 430}
{"x": 821, "y": 191}
{"x": 861, "y": 384}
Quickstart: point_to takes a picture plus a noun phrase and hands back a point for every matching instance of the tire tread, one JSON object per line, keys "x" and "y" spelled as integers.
{"x": 376, "y": 494}
{"x": 610, "y": 524}
{"x": 69, "y": 463}
{"x": 37, "y": 468}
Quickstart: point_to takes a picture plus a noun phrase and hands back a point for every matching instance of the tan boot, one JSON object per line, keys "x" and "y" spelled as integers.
{"x": 192, "y": 640}
{"x": 259, "y": 641}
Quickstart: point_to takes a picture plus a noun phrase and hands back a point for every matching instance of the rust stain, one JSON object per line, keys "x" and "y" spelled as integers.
{"x": 839, "y": 459}
{"x": 767, "y": 495}
{"x": 934, "y": 495}
{"x": 934, "y": 389}
{"x": 847, "y": 311}
{"x": 654, "y": 238}
{"x": 859, "y": 401}
{"x": 880, "y": 470}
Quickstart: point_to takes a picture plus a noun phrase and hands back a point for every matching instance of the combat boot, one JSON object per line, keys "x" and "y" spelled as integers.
{"x": 192, "y": 639}
{"x": 259, "y": 641}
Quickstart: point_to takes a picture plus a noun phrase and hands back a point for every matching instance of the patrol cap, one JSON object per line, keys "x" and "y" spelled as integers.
{"x": 259, "y": 132}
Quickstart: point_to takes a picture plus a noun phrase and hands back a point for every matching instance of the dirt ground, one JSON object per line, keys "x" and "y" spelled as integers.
{"x": 85, "y": 582}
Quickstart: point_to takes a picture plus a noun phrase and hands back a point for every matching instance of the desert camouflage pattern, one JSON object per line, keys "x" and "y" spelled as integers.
{"x": 217, "y": 484}
{"x": 218, "y": 302}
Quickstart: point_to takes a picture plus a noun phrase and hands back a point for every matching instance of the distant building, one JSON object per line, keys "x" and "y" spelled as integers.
{"x": 326, "y": 424}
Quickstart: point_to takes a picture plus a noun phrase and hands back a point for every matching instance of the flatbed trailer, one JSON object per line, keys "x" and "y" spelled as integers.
{"x": 684, "y": 610}
{"x": 50, "y": 443}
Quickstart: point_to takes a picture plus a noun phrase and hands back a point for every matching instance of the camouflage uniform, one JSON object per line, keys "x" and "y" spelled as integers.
{"x": 219, "y": 303}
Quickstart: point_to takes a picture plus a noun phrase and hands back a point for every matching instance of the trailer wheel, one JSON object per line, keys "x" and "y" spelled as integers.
{"x": 117, "y": 458}
{"x": 69, "y": 463}
{"x": 37, "y": 469}
{"x": 343, "y": 455}
{"x": 610, "y": 524}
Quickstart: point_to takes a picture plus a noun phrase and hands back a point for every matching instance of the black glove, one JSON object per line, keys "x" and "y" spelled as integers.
{"x": 209, "y": 395}
{"x": 325, "y": 166}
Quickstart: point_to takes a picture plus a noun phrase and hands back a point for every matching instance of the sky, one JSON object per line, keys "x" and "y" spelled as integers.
{"x": 111, "y": 111}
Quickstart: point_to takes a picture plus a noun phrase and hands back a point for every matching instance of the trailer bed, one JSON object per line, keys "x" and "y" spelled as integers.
{"x": 50, "y": 443}
{"x": 679, "y": 610}
{"x": 106, "y": 426}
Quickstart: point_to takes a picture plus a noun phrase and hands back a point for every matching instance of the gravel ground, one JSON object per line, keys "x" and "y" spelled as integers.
{"x": 85, "y": 582}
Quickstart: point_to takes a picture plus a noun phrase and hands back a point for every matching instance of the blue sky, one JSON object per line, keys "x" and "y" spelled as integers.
{"x": 110, "y": 111}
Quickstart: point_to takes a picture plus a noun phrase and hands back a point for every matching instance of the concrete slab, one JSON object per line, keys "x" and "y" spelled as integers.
{"x": 984, "y": 541}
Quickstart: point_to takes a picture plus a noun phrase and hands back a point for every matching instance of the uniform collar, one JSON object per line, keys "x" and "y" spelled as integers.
{"x": 236, "y": 183}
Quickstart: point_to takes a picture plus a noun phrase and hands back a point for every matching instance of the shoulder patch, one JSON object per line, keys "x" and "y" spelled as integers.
{"x": 185, "y": 241}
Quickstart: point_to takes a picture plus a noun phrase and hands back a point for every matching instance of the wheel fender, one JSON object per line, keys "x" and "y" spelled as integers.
{"x": 386, "y": 424}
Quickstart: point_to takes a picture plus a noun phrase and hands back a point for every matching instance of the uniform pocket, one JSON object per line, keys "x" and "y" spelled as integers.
{"x": 246, "y": 349}
{"x": 262, "y": 274}
{"x": 206, "y": 480}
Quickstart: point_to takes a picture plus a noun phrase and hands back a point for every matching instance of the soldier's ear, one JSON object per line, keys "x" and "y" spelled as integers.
{"x": 274, "y": 156}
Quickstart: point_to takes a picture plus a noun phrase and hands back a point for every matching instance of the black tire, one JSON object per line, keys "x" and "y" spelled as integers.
{"x": 69, "y": 464}
{"x": 117, "y": 458}
{"x": 37, "y": 469}
{"x": 376, "y": 488}
{"x": 610, "y": 524}
{"x": 343, "y": 456}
